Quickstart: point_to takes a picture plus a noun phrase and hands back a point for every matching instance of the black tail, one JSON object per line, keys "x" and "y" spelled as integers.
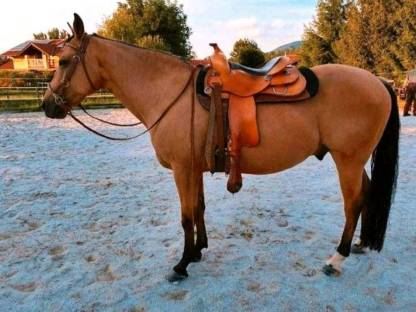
{"x": 384, "y": 170}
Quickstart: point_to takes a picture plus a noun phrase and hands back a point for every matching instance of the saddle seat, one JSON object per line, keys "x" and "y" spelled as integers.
{"x": 241, "y": 85}
{"x": 264, "y": 71}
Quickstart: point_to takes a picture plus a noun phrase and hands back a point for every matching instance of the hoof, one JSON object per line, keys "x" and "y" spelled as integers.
{"x": 175, "y": 277}
{"x": 234, "y": 187}
{"x": 357, "y": 249}
{"x": 329, "y": 270}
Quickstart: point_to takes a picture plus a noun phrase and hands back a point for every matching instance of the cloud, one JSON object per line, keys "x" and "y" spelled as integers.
{"x": 242, "y": 27}
{"x": 270, "y": 23}
{"x": 268, "y": 34}
{"x": 35, "y": 18}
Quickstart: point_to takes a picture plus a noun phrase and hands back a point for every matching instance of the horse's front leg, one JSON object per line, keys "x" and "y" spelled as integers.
{"x": 187, "y": 184}
{"x": 201, "y": 235}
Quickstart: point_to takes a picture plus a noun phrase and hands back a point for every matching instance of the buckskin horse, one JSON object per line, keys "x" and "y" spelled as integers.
{"x": 354, "y": 116}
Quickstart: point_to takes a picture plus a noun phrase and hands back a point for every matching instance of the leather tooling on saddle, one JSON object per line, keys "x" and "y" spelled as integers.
{"x": 230, "y": 93}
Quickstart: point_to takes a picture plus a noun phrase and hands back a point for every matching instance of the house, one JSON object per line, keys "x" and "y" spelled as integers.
{"x": 34, "y": 55}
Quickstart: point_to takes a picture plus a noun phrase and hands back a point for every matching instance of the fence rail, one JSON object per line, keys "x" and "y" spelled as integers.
{"x": 30, "y": 98}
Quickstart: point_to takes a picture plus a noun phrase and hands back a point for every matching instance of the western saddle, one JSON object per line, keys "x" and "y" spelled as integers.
{"x": 278, "y": 81}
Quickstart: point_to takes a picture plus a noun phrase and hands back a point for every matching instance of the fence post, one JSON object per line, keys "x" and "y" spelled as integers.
{"x": 37, "y": 94}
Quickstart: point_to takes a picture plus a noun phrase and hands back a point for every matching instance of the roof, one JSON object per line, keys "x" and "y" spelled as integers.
{"x": 48, "y": 46}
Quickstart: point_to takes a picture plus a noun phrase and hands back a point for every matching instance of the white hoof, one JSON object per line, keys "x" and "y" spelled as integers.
{"x": 335, "y": 262}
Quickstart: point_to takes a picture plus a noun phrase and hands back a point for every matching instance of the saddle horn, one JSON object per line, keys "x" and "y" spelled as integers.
{"x": 215, "y": 46}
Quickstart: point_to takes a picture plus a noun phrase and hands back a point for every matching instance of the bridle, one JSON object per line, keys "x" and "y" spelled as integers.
{"x": 58, "y": 92}
{"x": 78, "y": 57}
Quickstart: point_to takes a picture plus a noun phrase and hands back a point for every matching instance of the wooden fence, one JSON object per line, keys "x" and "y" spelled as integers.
{"x": 30, "y": 98}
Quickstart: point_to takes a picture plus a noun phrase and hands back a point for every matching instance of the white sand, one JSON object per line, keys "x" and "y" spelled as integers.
{"x": 89, "y": 224}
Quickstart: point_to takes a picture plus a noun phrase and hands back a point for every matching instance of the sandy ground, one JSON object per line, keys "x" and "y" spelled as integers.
{"x": 93, "y": 225}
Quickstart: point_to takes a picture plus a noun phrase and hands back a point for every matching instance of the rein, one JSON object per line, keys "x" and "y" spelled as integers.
{"x": 58, "y": 93}
{"x": 148, "y": 129}
{"x": 106, "y": 121}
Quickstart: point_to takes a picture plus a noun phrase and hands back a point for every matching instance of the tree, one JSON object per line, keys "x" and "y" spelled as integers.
{"x": 247, "y": 52}
{"x": 405, "y": 46}
{"x": 164, "y": 19}
{"x": 372, "y": 36}
{"x": 40, "y": 36}
{"x": 354, "y": 45}
{"x": 316, "y": 50}
{"x": 53, "y": 33}
{"x": 152, "y": 42}
{"x": 383, "y": 35}
{"x": 121, "y": 25}
{"x": 377, "y": 35}
{"x": 321, "y": 35}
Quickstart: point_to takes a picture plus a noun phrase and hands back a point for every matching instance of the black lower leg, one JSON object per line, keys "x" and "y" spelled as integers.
{"x": 352, "y": 216}
{"x": 201, "y": 237}
{"x": 344, "y": 247}
{"x": 364, "y": 218}
{"x": 188, "y": 253}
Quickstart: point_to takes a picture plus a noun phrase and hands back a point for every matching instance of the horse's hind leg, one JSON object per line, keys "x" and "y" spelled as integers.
{"x": 187, "y": 185}
{"x": 358, "y": 247}
{"x": 201, "y": 234}
{"x": 351, "y": 174}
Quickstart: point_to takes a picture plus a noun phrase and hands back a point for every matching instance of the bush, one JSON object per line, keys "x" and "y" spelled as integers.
{"x": 247, "y": 52}
{"x": 13, "y": 78}
{"x": 251, "y": 57}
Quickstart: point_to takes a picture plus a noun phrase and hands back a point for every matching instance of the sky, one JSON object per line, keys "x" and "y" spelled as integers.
{"x": 270, "y": 23}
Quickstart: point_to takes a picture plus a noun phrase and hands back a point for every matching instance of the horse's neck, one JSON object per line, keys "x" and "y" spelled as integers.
{"x": 145, "y": 81}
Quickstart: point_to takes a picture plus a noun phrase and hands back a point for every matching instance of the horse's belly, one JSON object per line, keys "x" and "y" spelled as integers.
{"x": 288, "y": 135}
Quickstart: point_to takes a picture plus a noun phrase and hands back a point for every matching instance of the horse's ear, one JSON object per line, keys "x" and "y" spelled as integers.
{"x": 78, "y": 26}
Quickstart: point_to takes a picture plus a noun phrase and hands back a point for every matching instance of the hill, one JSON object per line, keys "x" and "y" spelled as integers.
{"x": 288, "y": 46}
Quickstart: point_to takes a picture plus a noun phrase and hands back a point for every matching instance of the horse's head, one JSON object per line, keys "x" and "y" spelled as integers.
{"x": 76, "y": 76}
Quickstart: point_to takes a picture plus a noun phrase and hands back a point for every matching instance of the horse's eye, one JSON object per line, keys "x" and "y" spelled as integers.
{"x": 63, "y": 63}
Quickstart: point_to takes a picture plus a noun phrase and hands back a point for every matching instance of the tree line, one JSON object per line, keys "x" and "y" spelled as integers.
{"x": 53, "y": 33}
{"x": 377, "y": 35}
{"x": 155, "y": 24}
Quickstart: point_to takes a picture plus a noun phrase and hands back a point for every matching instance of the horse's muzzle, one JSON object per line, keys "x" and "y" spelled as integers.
{"x": 54, "y": 110}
